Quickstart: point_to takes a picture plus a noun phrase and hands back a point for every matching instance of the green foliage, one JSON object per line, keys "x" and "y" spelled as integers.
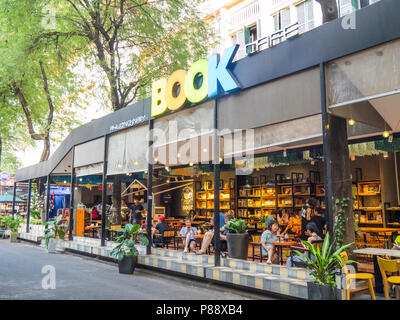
{"x": 132, "y": 42}
{"x": 325, "y": 263}
{"x": 339, "y": 207}
{"x": 55, "y": 228}
{"x": 12, "y": 224}
{"x": 126, "y": 242}
{"x": 236, "y": 226}
{"x": 2, "y": 222}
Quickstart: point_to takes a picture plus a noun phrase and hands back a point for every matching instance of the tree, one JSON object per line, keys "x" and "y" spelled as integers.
{"x": 329, "y": 10}
{"x": 337, "y": 145}
{"x": 37, "y": 77}
{"x": 134, "y": 41}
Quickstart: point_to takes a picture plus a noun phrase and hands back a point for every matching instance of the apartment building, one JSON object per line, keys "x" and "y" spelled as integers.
{"x": 268, "y": 21}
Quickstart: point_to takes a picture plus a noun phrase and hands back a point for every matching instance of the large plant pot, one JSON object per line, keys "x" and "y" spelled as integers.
{"x": 238, "y": 245}
{"x": 127, "y": 264}
{"x": 52, "y": 246}
{"x": 13, "y": 236}
{"x": 321, "y": 292}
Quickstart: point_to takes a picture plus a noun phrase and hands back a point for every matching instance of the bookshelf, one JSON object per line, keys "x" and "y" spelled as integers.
{"x": 368, "y": 203}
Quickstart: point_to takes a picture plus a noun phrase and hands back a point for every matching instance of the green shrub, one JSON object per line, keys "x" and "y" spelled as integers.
{"x": 236, "y": 226}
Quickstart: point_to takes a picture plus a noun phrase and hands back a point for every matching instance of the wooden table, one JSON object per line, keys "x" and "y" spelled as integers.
{"x": 92, "y": 229}
{"x": 375, "y": 252}
{"x": 280, "y": 245}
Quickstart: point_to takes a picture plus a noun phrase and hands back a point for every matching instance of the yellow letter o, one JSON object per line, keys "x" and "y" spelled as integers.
{"x": 175, "y": 102}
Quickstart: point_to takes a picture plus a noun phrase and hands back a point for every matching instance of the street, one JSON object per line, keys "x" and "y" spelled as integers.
{"x": 79, "y": 277}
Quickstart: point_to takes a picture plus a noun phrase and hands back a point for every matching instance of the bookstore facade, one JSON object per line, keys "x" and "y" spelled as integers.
{"x": 262, "y": 141}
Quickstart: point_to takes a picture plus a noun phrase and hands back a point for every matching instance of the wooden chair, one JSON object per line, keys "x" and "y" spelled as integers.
{"x": 113, "y": 230}
{"x": 356, "y": 276}
{"x": 256, "y": 243}
{"x": 167, "y": 237}
{"x": 390, "y": 266}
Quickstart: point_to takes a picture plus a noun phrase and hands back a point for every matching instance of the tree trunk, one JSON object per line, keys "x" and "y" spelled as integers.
{"x": 341, "y": 172}
{"x": 329, "y": 10}
{"x": 116, "y": 197}
{"x": 46, "y": 150}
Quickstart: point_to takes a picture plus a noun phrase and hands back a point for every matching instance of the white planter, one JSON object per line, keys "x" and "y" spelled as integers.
{"x": 51, "y": 248}
{"x": 60, "y": 245}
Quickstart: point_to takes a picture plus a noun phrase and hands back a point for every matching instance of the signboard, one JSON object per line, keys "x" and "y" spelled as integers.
{"x": 4, "y": 176}
{"x": 204, "y": 79}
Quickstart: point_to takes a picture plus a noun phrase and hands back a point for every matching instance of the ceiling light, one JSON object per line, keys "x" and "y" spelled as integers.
{"x": 351, "y": 122}
{"x": 191, "y": 164}
{"x": 205, "y": 150}
{"x": 386, "y": 134}
{"x": 285, "y": 153}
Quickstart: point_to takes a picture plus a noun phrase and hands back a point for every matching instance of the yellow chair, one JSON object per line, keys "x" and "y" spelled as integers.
{"x": 392, "y": 266}
{"x": 356, "y": 276}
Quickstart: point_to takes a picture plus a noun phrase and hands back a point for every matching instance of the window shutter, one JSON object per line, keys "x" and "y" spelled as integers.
{"x": 258, "y": 29}
{"x": 247, "y": 39}
{"x": 310, "y": 15}
{"x": 301, "y": 19}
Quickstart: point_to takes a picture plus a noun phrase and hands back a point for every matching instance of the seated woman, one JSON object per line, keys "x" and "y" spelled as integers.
{"x": 294, "y": 224}
{"x": 209, "y": 235}
{"x": 188, "y": 232}
{"x": 268, "y": 236}
{"x": 311, "y": 231}
{"x": 282, "y": 217}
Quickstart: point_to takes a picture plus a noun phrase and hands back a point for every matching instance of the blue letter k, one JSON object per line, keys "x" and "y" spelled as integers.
{"x": 219, "y": 72}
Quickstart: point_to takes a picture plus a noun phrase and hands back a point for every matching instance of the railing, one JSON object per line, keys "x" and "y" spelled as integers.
{"x": 247, "y": 13}
{"x": 273, "y": 39}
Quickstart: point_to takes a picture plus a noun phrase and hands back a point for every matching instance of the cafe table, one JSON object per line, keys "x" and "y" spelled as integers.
{"x": 280, "y": 245}
{"x": 92, "y": 229}
{"x": 378, "y": 252}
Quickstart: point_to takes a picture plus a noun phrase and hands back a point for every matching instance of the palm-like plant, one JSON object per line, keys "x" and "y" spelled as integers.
{"x": 56, "y": 228}
{"x": 126, "y": 242}
{"x": 326, "y": 262}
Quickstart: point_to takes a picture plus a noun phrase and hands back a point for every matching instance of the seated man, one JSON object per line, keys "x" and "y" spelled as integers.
{"x": 209, "y": 235}
{"x": 296, "y": 260}
{"x": 160, "y": 228}
{"x": 188, "y": 232}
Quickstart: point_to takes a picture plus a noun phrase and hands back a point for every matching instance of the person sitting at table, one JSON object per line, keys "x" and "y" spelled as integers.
{"x": 311, "y": 231}
{"x": 188, "y": 233}
{"x": 223, "y": 245}
{"x": 282, "y": 217}
{"x": 160, "y": 228}
{"x": 268, "y": 236}
{"x": 208, "y": 236}
{"x": 319, "y": 221}
{"x": 294, "y": 224}
{"x": 95, "y": 214}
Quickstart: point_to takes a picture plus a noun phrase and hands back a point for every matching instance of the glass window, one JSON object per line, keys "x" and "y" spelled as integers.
{"x": 305, "y": 16}
{"x": 281, "y": 19}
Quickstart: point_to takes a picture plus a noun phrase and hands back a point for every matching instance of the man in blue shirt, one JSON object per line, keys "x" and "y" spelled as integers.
{"x": 188, "y": 233}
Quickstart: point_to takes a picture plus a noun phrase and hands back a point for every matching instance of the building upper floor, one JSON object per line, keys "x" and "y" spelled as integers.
{"x": 252, "y": 22}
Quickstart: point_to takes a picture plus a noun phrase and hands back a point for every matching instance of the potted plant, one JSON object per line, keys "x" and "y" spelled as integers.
{"x": 53, "y": 230}
{"x": 237, "y": 238}
{"x": 12, "y": 225}
{"x": 125, "y": 251}
{"x": 324, "y": 264}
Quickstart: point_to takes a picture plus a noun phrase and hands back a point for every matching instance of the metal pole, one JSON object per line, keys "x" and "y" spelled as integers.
{"x": 104, "y": 194}
{"x": 48, "y": 198}
{"x": 71, "y": 200}
{"x": 217, "y": 259}
{"x": 28, "y": 218}
{"x": 150, "y": 187}
{"x": 13, "y": 200}
{"x": 327, "y": 154}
